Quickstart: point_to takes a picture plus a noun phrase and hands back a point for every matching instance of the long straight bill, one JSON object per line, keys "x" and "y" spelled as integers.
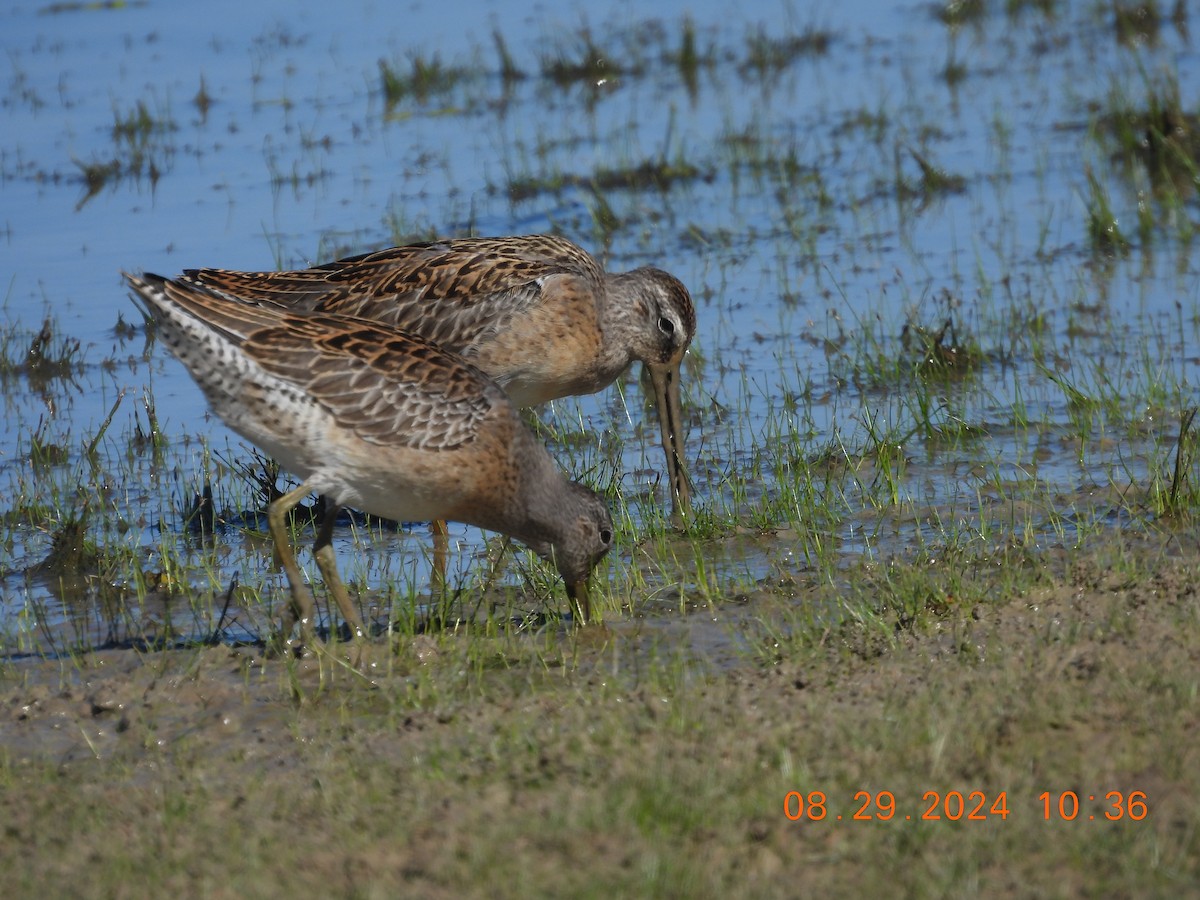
{"x": 670, "y": 421}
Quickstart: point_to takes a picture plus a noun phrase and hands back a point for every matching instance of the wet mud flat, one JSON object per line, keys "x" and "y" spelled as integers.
{"x": 473, "y": 765}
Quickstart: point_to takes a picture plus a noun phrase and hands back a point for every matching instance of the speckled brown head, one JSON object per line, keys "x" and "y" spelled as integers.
{"x": 665, "y": 323}
{"x": 586, "y": 536}
{"x": 663, "y": 317}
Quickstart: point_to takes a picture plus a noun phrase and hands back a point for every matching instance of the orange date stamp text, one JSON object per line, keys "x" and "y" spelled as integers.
{"x": 968, "y": 806}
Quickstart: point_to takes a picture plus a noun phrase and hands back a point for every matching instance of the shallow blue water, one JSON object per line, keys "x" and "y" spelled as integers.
{"x": 793, "y": 234}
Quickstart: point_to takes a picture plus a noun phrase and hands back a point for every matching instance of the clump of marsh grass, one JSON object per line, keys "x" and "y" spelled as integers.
{"x": 48, "y": 357}
{"x": 140, "y": 150}
{"x": 920, "y": 353}
{"x": 1182, "y": 493}
{"x": 768, "y": 54}
{"x": 1104, "y": 231}
{"x": 509, "y": 71}
{"x": 422, "y": 79}
{"x": 137, "y": 126}
{"x": 934, "y": 180}
{"x": 1014, "y": 8}
{"x": 1157, "y": 136}
{"x": 657, "y": 173}
{"x": 585, "y": 61}
{"x": 940, "y": 354}
{"x": 688, "y": 58}
{"x": 1137, "y": 23}
{"x": 203, "y": 100}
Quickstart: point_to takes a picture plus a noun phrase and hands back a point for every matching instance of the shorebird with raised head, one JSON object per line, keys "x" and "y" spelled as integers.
{"x": 378, "y": 419}
{"x": 535, "y": 312}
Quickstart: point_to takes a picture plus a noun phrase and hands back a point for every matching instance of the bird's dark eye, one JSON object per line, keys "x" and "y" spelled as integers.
{"x": 665, "y": 325}
{"x": 605, "y": 536}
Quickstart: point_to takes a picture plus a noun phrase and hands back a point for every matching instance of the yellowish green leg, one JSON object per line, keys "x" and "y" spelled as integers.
{"x": 327, "y": 563}
{"x": 303, "y": 608}
{"x": 441, "y": 550}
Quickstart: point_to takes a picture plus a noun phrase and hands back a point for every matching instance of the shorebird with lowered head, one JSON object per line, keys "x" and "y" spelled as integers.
{"x": 378, "y": 419}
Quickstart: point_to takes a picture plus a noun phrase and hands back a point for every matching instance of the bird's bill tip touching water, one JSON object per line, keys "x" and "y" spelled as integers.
{"x": 665, "y": 379}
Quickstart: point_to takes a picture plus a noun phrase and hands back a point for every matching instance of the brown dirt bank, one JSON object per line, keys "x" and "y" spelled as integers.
{"x": 489, "y": 766}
